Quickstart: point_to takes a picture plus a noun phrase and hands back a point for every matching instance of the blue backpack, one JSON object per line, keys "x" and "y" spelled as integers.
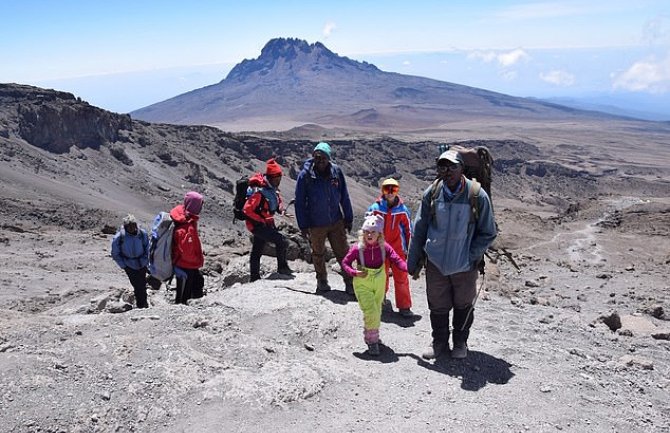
{"x": 160, "y": 247}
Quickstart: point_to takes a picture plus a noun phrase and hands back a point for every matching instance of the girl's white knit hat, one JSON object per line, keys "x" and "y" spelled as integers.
{"x": 373, "y": 223}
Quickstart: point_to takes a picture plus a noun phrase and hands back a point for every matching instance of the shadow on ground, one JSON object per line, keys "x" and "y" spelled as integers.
{"x": 396, "y": 319}
{"x": 476, "y": 371}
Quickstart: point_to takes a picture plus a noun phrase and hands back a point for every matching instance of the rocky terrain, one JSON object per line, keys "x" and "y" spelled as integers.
{"x": 571, "y": 329}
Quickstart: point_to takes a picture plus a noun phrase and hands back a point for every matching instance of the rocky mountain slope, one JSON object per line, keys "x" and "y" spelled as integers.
{"x": 574, "y": 338}
{"x": 293, "y": 83}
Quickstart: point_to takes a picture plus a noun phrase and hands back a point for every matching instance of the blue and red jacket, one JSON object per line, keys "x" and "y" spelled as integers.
{"x": 397, "y": 222}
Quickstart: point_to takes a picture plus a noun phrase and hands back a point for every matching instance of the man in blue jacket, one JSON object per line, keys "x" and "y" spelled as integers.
{"x": 130, "y": 250}
{"x": 451, "y": 232}
{"x": 323, "y": 211}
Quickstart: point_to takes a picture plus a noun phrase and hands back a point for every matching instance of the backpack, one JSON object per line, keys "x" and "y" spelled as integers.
{"x": 160, "y": 247}
{"x": 241, "y": 188}
{"x": 477, "y": 167}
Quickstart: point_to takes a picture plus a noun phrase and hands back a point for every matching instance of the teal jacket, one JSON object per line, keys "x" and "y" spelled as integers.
{"x": 452, "y": 240}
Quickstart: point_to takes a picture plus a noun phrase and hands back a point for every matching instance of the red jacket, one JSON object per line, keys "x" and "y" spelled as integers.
{"x": 262, "y": 204}
{"x": 186, "y": 247}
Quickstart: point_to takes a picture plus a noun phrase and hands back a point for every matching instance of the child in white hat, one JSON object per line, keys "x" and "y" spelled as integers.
{"x": 369, "y": 276}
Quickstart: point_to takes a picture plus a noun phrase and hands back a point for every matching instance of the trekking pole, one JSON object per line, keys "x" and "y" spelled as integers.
{"x": 474, "y": 301}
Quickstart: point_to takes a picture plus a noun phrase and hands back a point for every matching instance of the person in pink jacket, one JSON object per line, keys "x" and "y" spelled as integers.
{"x": 369, "y": 277}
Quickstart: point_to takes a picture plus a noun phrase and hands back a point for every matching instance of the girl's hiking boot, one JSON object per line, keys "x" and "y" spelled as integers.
{"x": 373, "y": 349}
{"x": 387, "y": 306}
{"x": 435, "y": 350}
{"x": 406, "y": 312}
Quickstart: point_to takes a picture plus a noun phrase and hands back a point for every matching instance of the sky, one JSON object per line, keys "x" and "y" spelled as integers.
{"x": 123, "y": 55}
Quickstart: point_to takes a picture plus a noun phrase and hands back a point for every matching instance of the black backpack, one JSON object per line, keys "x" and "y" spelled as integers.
{"x": 241, "y": 188}
{"x": 242, "y": 193}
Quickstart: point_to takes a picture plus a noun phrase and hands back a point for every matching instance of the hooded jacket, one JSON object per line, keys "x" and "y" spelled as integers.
{"x": 262, "y": 203}
{"x": 186, "y": 247}
{"x": 131, "y": 251}
{"x": 321, "y": 201}
{"x": 397, "y": 223}
{"x": 452, "y": 240}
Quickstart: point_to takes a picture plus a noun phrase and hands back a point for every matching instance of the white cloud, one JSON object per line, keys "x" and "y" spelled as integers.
{"x": 328, "y": 29}
{"x": 505, "y": 60}
{"x": 512, "y": 57}
{"x": 648, "y": 75}
{"x": 484, "y": 56}
{"x": 406, "y": 63}
{"x": 559, "y": 78}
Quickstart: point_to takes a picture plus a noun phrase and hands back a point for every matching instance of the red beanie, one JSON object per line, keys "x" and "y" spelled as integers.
{"x": 272, "y": 168}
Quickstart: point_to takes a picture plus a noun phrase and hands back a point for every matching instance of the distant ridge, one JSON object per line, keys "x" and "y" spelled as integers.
{"x": 293, "y": 82}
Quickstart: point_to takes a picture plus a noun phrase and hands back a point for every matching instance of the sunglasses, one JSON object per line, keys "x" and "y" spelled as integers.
{"x": 391, "y": 189}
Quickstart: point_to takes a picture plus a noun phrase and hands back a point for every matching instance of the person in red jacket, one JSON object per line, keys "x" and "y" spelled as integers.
{"x": 187, "y": 255}
{"x": 262, "y": 203}
{"x": 397, "y": 233}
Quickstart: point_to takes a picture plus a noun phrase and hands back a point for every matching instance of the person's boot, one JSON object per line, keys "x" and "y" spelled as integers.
{"x": 373, "y": 349}
{"x": 463, "y": 318}
{"x": 254, "y": 277}
{"x": 322, "y": 286}
{"x": 284, "y": 269}
{"x": 439, "y": 322}
{"x": 436, "y": 349}
{"x": 460, "y": 350}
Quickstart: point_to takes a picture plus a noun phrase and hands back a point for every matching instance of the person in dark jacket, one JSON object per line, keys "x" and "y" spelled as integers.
{"x": 263, "y": 202}
{"x": 187, "y": 255}
{"x": 323, "y": 211}
{"x": 130, "y": 250}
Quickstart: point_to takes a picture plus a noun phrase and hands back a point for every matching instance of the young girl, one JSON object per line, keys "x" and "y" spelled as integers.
{"x": 370, "y": 276}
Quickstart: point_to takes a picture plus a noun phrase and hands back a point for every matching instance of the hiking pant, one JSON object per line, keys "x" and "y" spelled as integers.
{"x": 189, "y": 287}
{"x": 262, "y": 235}
{"x": 138, "y": 279}
{"x": 369, "y": 292}
{"x": 403, "y": 299}
{"x": 337, "y": 236}
{"x": 457, "y": 292}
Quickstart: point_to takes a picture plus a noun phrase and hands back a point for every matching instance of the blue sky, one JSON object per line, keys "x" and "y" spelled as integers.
{"x": 124, "y": 55}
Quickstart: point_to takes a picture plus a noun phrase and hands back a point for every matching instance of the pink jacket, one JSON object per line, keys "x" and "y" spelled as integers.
{"x": 372, "y": 256}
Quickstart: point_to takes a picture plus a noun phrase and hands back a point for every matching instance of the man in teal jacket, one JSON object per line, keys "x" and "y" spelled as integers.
{"x": 323, "y": 211}
{"x": 453, "y": 239}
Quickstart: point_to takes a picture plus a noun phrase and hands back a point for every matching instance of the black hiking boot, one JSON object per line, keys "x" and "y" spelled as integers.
{"x": 285, "y": 270}
{"x": 322, "y": 286}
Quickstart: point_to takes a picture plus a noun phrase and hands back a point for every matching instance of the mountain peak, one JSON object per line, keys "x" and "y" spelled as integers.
{"x": 292, "y": 54}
